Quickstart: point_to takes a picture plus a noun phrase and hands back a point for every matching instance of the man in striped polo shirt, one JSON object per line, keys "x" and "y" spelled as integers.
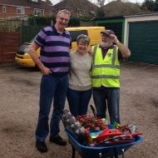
{"x": 54, "y": 64}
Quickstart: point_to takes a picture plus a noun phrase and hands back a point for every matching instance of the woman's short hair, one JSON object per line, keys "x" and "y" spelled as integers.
{"x": 83, "y": 38}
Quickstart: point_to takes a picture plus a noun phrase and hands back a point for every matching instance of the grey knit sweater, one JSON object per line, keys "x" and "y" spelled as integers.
{"x": 79, "y": 78}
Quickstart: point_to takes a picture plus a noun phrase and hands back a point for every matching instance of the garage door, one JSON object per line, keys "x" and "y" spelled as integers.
{"x": 143, "y": 41}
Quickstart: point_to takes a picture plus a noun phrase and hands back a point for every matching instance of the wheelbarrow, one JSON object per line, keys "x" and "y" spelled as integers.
{"x": 103, "y": 151}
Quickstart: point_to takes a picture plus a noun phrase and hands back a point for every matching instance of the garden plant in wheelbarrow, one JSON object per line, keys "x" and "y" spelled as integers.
{"x": 93, "y": 137}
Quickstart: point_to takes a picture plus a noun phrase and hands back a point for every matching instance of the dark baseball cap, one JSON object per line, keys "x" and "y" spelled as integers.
{"x": 108, "y": 32}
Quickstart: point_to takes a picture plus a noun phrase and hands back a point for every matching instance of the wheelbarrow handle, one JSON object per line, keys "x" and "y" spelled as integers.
{"x": 93, "y": 110}
{"x": 73, "y": 152}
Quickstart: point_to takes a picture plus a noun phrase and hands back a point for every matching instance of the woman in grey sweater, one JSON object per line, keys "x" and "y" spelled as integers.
{"x": 79, "y": 92}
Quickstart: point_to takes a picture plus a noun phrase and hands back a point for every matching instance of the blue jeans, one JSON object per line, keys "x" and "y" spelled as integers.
{"x": 51, "y": 89}
{"x": 107, "y": 97}
{"x": 78, "y": 101}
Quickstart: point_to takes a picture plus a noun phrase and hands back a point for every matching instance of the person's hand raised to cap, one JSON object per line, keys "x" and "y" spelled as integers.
{"x": 114, "y": 38}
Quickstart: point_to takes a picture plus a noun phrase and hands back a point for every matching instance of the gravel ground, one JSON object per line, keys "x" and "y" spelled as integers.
{"x": 19, "y": 92}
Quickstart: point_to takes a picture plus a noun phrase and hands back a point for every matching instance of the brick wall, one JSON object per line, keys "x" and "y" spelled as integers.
{"x": 11, "y": 11}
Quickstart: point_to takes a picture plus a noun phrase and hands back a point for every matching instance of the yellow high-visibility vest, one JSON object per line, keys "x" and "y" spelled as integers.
{"x": 105, "y": 70}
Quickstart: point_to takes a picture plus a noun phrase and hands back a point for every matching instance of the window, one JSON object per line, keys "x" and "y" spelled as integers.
{"x": 39, "y": 12}
{"x": 4, "y": 9}
{"x": 74, "y": 34}
{"x": 20, "y": 10}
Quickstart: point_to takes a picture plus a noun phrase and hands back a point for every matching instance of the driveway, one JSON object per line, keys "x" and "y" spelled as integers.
{"x": 19, "y": 92}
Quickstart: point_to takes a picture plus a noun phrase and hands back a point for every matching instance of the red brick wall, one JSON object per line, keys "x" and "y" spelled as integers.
{"x": 11, "y": 12}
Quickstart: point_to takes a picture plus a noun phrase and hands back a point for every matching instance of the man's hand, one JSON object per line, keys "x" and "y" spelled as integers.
{"x": 123, "y": 49}
{"x": 46, "y": 71}
{"x": 32, "y": 51}
{"x": 114, "y": 38}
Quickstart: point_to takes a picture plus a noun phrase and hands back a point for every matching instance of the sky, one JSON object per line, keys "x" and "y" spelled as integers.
{"x": 94, "y": 1}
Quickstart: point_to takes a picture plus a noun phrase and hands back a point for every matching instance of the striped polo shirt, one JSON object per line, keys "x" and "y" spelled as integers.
{"x": 55, "y": 48}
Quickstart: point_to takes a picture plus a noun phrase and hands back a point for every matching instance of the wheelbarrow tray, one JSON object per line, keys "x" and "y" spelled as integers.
{"x": 104, "y": 151}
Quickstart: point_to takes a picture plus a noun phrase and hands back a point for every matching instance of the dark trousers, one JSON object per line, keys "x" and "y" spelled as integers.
{"x": 78, "y": 101}
{"x": 107, "y": 98}
{"x": 52, "y": 89}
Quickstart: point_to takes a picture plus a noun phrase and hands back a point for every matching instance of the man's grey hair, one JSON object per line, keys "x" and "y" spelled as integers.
{"x": 65, "y": 11}
{"x": 83, "y": 38}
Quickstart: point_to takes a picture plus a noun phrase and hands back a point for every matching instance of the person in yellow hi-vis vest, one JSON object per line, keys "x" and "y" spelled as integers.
{"x": 106, "y": 75}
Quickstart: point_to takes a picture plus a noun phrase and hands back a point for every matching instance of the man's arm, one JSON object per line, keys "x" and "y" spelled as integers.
{"x": 125, "y": 52}
{"x": 123, "y": 49}
{"x": 32, "y": 51}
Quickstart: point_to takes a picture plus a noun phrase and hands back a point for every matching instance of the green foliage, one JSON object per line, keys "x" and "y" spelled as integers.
{"x": 74, "y": 21}
{"x": 150, "y": 5}
{"x": 40, "y": 20}
{"x": 43, "y": 21}
{"x": 10, "y": 25}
